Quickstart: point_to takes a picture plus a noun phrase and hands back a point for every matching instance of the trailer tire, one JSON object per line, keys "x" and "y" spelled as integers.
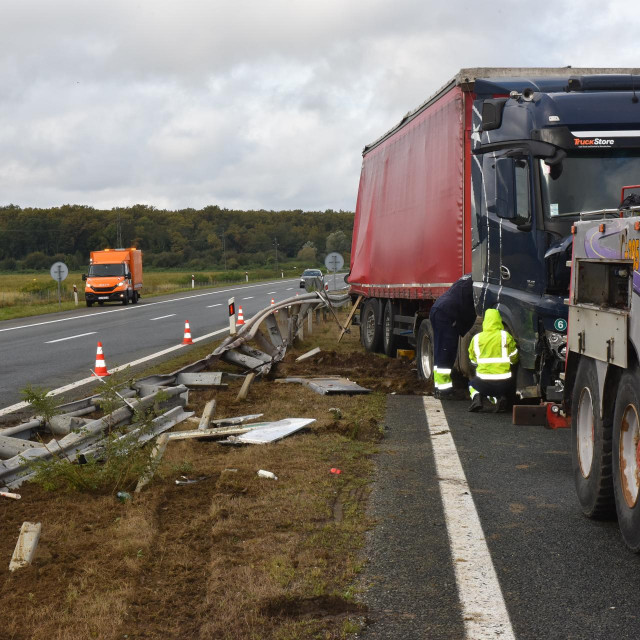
{"x": 370, "y": 326}
{"x": 626, "y": 482}
{"x": 591, "y": 445}
{"x": 390, "y": 340}
{"x": 424, "y": 351}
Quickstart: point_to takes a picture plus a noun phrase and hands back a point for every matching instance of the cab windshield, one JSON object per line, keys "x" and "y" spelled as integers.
{"x": 98, "y": 270}
{"x": 588, "y": 182}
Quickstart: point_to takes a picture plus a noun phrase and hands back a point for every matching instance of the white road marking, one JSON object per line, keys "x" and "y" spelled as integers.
{"x": 163, "y": 317}
{"x": 289, "y": 288}
{"x": 79, "y": 383}
{"x": 80, "y": 335}
{"x": 132, "y": 308}
{"x": 214, "y": 305}
{"x": 270, "y": 293}
{"x": 483, "y": 607}
{"x": 248, "y": 298}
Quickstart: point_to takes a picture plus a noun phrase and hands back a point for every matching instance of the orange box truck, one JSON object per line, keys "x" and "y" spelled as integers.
{"x": 115, "y": 275}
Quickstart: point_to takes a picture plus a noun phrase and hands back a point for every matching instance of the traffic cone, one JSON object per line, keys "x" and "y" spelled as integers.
{"x": 101, "y": 367}
{"x": 272, "y": 304}
{"x": 187, "y": 334}
{"x": 240, "y": 320}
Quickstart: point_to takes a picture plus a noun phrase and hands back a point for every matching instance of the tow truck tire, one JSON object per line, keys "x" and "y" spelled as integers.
{"x": 89, "y": 304}
{"x": 125, "y": 300}
{"x": 370, "y": 325}
{"x": 626, "y": 448}
{"x": 134, "y": 300}
{"x": 591, "y": 445}
{"x": 389, "y": 339}
{"x": 424, "y": 351}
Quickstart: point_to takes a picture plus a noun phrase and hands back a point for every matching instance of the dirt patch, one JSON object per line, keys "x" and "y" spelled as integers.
{"x": 232, "y": 556}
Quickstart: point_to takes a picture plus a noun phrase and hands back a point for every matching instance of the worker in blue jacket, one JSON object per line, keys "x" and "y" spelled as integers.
{"x": 452, "y": 316}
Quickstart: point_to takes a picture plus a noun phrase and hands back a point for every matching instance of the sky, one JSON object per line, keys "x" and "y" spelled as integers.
{"x": 249, "y": 104}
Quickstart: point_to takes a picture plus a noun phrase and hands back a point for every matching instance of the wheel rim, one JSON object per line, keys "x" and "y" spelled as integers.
{"x": 425, "y": 357}
{"x": 629, "y": 433}
{"x": 585, "y": 432}
{"x": 370, "y": 326}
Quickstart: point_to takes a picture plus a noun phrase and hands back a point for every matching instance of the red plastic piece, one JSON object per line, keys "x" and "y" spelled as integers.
{"x": 335, "y": 471}
{"x": 554, "y": 419}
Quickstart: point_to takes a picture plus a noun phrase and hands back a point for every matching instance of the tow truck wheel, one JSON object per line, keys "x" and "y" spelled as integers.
{"x": 89, "y": 303}
{"x": 424, "y": 351}
{"x": 370, "y": 328}
{"x": 101, "y": 303}
{"x": 134, "y": 300}
{"x": 591, "y": 445}
{"x": 626, "y": 462}
{"x": 389, "y": 339}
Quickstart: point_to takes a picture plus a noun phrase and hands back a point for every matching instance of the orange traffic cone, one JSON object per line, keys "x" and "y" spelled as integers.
{"x": 240, "y": 320}
{"x": 101, "y": 367}
{"x": 187, "y": 334}
{"x": 273, "y": 304}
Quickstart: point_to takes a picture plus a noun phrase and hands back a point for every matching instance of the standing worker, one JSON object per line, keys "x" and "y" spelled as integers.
{"x": 493, "y": 351}
{"x": 452, "y": 316}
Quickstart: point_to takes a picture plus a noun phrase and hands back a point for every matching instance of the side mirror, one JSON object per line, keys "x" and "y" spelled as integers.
{"x": 84, "y": 276}
{"x": 501, "y": 202}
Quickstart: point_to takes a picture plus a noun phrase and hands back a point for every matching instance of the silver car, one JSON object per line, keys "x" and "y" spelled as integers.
{"x": 311, "y": 279}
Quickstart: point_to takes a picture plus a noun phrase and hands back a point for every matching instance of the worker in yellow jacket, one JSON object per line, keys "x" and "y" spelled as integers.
{"x": 493, "y": 351}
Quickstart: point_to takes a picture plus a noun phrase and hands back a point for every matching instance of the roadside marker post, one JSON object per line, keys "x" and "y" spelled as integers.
{"x": 232, "y": 316}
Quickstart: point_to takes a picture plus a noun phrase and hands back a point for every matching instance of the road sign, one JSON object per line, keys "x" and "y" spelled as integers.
{"x": 59, "y": 271}
{"x": 334, "y": 261}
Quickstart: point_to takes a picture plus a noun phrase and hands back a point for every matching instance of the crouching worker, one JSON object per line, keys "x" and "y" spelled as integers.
{"x": 492, "y": 352}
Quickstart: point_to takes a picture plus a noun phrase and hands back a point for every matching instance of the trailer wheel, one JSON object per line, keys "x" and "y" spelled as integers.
{"x": 424, "y": 351}
{"x": 370, "y": 327}
{"x": 591, "y": 445}
{"x": 626, "y": 464}
{"x": 389, "y": 339}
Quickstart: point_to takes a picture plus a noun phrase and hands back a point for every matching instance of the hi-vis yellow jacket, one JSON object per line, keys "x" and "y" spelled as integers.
{"x": 494, "y": 349}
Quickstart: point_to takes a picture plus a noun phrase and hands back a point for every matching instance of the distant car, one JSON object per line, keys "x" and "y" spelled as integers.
{"x": 312, "y": 277}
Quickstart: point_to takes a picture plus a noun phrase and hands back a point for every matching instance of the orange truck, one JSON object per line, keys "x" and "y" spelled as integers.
{"x": 115, "y": 275}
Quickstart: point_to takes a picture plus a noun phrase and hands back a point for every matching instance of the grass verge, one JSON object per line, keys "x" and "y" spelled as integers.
{"x": 232, "y": 556}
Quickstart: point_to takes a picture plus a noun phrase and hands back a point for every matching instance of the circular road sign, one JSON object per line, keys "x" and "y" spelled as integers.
{"x": 59, "y": 271}
{"x": 334, "y": 261}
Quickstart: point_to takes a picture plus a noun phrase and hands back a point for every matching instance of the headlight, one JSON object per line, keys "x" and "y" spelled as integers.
{"x": 120, "y": 283}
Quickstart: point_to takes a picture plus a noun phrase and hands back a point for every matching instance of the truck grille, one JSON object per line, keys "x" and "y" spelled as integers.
{"x": 102, "y": 289}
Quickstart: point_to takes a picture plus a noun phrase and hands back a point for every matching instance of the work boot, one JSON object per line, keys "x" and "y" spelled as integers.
{"x": 501, "y": 406}
{"x": 476, "y": 403}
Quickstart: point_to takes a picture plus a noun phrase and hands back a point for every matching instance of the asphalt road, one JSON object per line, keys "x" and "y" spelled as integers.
{"x": 57, "y": 349}
{"x": 560, "y": 574}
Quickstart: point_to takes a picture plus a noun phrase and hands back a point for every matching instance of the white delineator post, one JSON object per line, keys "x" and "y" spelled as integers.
{"x": 75, "y": 294}
{"x": 193, "y": 281}
{"x": 232, "y": 316}
{"x": 246, "y": 276}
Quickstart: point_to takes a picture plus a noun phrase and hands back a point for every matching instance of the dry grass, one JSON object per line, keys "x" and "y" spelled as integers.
{"x": 234, "y": 556}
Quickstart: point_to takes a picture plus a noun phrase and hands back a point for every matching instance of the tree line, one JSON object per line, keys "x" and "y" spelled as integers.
{"x": 208, "y": 238}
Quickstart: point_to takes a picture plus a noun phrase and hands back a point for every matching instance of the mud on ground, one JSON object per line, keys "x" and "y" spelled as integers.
{"x": 232, "y": 556}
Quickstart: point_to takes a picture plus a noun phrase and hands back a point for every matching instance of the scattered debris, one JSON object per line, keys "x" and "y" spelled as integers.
{"x": 336, "y": 471}
{"x": 267, "y": 474}
{"x": 26, "y": 545}
{"x": 185, "y": 480}
{"x": 219, "y": 432}
{"x": 304, "y": 356}
{"x": 345, "y": 329}
{"x": 202, "y": 379}
{"x": 237, "y": 420}
{"x": 244, "y": 390}
{"x": 336, "y": 413}
{"x": 154, "y": 461}
{"x": 406, "y": 354}
{"x": 207, "y": 413}
{"x": 6, "y": 494}
{"x": 328, "y": 385}
{"x": 271, "y": 431}
{"x": 123, "y": 496}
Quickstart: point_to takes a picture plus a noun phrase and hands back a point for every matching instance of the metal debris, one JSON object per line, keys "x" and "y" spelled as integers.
{"x": 272, "y": 431}
{"x": 202, "y": 379}
{"x": 328, "y": 385}
{"x": 26, "y": 545}
{"x": 304, "y": 356}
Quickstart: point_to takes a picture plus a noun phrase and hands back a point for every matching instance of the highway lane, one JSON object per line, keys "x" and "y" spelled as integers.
{"x": 57, "y": 349}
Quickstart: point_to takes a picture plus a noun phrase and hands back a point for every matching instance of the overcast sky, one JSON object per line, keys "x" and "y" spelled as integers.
{"x": 249, "y": 103}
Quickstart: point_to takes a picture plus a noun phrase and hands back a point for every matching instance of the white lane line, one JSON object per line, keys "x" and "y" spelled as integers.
{"x": 214, "y": 305}
{"x": 163, "y": 317}
{"x": 80, "y": 335}
{"x": 79, "y": 383}
{"x": 144, "y": 306}
{"x": 248, "y": 298}
{"x": 483, "y": 607}
{"x": 289, "y": 288}
{"x": 270, "y": 293}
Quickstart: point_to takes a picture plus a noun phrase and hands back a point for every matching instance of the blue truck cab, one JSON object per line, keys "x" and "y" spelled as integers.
{"x": 545, "y": 151}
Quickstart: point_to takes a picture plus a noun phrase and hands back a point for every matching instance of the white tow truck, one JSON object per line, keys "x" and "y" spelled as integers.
{"x": 602, "y": 376}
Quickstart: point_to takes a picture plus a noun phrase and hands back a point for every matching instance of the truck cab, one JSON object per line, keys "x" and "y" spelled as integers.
{"x": 115, "y": 275}
{"x": 545, "y": 150}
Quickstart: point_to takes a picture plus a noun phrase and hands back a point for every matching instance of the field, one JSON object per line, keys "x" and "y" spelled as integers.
{"x": 232, "y": 556}
{"x": 27, "y": 294}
